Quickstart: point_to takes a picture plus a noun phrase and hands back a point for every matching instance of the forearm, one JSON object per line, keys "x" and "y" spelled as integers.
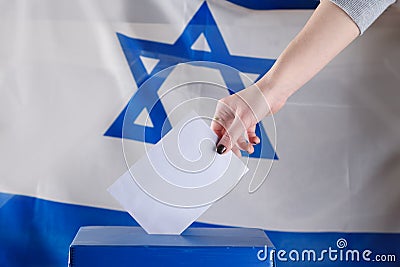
{"x": 328, "y": 31}
{"x": 326, "y": 34}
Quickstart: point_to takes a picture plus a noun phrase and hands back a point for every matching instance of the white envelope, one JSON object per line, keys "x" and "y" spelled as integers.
{"x": 178, "y": 179}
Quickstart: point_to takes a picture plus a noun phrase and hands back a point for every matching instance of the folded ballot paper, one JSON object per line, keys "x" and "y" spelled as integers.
{"x": 178, "y": 179}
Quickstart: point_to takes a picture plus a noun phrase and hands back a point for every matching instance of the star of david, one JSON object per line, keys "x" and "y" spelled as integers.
{"x": 181, "y": 51}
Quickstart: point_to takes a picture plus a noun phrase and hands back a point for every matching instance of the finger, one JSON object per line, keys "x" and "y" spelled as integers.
{"x": 253, "y": 138}
{"x": 236, "y": 151}
{"x": 244, "y": 145}
{"x": 218, "y": 127}
{"x": 221, "y": 120}
{"x": 251, "y": 149}
{"x": 231, "y": 136}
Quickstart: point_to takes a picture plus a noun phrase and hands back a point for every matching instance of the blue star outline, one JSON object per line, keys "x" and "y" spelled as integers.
{"x": 180, "y": 52}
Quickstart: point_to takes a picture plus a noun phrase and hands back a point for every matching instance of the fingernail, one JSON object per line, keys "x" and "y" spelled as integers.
{"x": 250, "y": 149}
{"x": 221, "y": 149}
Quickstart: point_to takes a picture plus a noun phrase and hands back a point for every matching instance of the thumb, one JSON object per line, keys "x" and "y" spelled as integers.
{"x": 230, "y": 137}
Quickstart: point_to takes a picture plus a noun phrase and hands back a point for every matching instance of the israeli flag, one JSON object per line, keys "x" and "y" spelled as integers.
{"x": 329, "y": 161}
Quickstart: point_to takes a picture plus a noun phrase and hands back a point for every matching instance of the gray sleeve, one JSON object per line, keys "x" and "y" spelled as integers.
{"x": 363, "y": 12}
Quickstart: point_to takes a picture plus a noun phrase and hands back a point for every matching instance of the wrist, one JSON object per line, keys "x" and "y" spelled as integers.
{"x": 270, "y": 85}
{"x": 276, "y": 94}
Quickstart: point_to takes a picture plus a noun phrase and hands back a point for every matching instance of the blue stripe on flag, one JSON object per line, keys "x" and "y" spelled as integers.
{"x": 37, "y": 232}
{"x": 381, "y": 245}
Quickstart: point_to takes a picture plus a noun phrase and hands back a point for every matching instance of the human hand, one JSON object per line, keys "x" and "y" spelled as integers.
{"x": 236, "y": 117}
{"x": 328, "y": 32}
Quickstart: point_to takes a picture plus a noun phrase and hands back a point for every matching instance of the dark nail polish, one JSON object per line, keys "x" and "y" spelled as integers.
{"x": 221, "y": 149}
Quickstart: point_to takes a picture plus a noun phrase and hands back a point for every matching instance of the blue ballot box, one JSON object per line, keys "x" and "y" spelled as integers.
{"x": 206, "y": 247}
